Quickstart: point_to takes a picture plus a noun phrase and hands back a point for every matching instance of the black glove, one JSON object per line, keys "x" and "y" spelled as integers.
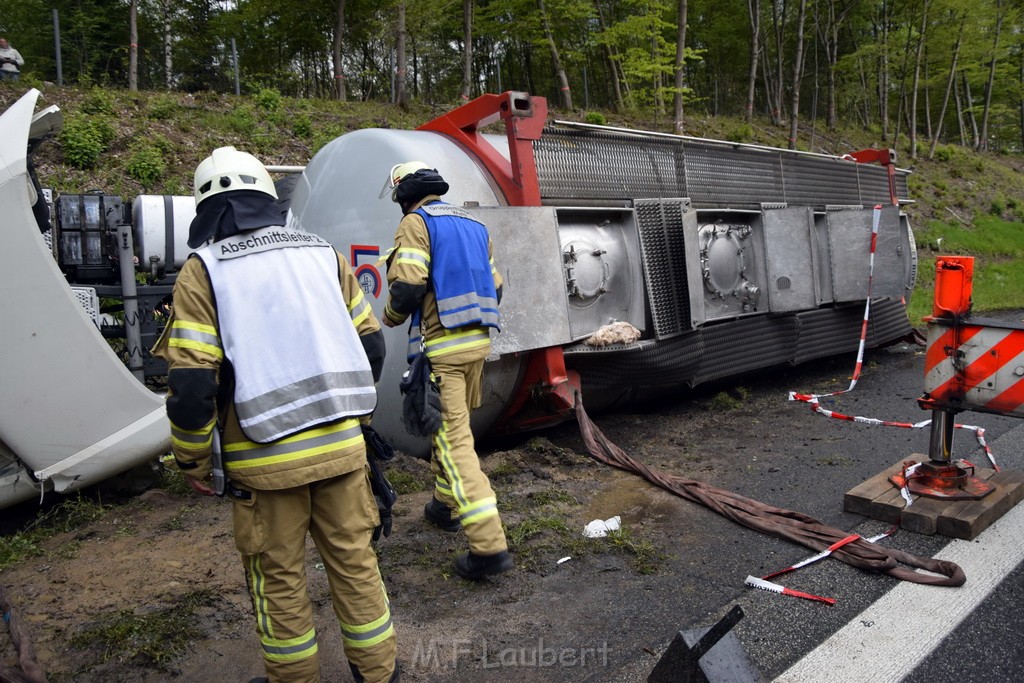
{"x": 383, "y": 492}
{"x": 376, "y": 444}
{"x": 384, "y": 528}
{"x": 421, "y": 407}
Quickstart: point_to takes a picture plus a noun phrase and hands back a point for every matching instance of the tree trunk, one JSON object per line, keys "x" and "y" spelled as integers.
{"x": 556, "y": 60}
{"x": 949, "y": 89}
{"x": 959, "y": 112}
{"x": 659, "y": 94}
{"x": 133, "y": 48}
{"x": 168, "y": 62}
{"x": 612, "y": 62}
{"x": 865, "y": 114}
{"x": 831, "y": 41}
{"x": 401, "y": 99}
{"x": 1021, "y": 82}
{"x": 467, "y": 48}
{"x": 883, "y": 75}
{"x": 754, "y": 12}
{"x": 975, "y": 138}
{"x": 1000, "y": 14}
{"x": 677, "y": 100}
{"x": 778, "y": 25}
{"x": 336, "y": 49}
{"x": 912, "y": 113}
{"x": 798, "y": 64}
{"x": 927, "y": 100}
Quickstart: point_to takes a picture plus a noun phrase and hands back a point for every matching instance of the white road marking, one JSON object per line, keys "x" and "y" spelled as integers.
{"x": 888, "y": 640}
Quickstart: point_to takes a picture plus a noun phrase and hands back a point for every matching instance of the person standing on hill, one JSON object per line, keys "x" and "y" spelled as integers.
{"x": 10, "y": 62}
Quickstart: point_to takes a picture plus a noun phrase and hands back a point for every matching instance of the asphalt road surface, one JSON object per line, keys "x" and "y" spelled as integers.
{"x": 879, "y": 629}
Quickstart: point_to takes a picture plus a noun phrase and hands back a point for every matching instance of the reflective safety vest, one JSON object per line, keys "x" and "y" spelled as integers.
{"x": 460, "y": 267}
{"x": 285, "y": 327}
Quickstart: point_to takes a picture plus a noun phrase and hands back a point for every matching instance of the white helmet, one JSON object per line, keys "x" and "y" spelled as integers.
{"x": 399, "y": 171}
{"x": 228, "y": 170}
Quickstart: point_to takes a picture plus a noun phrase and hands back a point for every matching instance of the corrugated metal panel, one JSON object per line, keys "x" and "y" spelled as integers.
{"x": 719, "y": 176}
{"x": 611, "y": 164}
{"x": 672, "y": 362}
{"x": 747, "y": 344}
{"x": 827, "y": 332}
{"x": 583, "y": 164}
{"x": 660, "y": 225}
{"x": 809, "y": 179}
{"x": 737, "y": 346}
{"x": 888, "y": 321}
{"x": 874, "y": 185}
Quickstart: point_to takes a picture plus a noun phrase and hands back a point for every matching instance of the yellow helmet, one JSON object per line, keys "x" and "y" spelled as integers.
{"x": 398, "y": 172}
{"x": 228, "y": 170}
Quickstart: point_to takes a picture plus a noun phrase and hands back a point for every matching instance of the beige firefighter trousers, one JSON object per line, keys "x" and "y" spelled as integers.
{"x": 459, "y": 482}
{"x": 270, "y": 532}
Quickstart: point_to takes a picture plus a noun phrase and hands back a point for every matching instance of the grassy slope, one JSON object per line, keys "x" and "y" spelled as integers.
{"x": 968, "y": 203}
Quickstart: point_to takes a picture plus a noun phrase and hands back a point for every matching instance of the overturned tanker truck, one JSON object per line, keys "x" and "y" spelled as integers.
{"x": 725, "y": 257}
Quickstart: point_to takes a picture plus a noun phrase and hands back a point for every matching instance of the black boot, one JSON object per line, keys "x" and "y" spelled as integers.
{"x": 473, "y": 566}
{"x": 357, "y": 676}
{"x": 439, "y": 514}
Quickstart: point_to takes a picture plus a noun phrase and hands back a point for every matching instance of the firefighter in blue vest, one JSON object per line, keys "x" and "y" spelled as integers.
{"x": 442, "y": 278}
{"x": 273, "y": 353}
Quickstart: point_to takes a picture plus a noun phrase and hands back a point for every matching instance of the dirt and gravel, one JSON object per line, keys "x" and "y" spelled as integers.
{"x": 153, "y": 590}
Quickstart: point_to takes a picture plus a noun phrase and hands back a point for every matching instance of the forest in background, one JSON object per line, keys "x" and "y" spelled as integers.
{"x": 914, "y": 73}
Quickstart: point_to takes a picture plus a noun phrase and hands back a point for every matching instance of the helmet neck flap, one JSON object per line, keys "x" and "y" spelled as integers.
{"x": 229, "y": 213}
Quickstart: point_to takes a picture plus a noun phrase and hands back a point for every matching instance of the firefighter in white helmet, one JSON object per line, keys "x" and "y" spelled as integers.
{"x": 273, "y": 354}
{"x": 441, "y": 274}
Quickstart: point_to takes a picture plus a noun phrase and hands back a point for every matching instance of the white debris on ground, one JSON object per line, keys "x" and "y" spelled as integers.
{"x": 600, "y": 527}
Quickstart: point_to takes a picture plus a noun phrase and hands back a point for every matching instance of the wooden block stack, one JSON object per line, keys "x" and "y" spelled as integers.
{"x": 878, "y": 498}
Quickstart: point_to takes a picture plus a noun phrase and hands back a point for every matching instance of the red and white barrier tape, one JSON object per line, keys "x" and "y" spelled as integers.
{"x": 813, "y": 399}
{"x": 755, "y": 582}
{"x": 764, "y": 584}
{"x": 813, "y": 558}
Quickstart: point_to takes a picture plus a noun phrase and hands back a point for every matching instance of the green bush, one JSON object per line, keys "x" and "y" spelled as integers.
{"x": 945, "y": 153}
{"x": 998, "y": 207}
{"x": 302, "y": 127}
{"x": 84, "y": 140}
{"x": 104, "y": 127}
{"x": 595, "y": 117}
{"x": 161, "y": 143}
{"x": 146, "y": 165}
{"x": 98, "y": 101}
{"x": 268, "y": 99}
{"x": 162, "y": 108}
{"x": 740, "y": 133}
{"x": 242, "y": 121}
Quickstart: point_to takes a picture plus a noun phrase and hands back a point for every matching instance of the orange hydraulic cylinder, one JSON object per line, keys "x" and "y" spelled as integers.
{"x": 954, "y": 279}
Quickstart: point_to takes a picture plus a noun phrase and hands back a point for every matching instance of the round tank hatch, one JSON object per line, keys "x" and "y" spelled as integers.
{"x": 586, "y": 272}
{"x": 722, "y": 259}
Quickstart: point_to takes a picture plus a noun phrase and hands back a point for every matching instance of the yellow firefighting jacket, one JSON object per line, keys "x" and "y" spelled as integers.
{"x": 408, "y": 265}
{"x": 200, "y": 389}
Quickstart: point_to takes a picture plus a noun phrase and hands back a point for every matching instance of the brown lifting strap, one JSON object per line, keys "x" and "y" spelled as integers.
{"x": 793, "y": 526}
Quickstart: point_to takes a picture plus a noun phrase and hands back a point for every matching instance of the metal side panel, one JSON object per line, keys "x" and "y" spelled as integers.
{"x": 892, "y": 251}
{"x": 791, "y": 256}
{"x": 534, "y": 307}
{"x": 849, "y": 243}
{"x": 694, "y": 272}
{"x": 602, "y": 272}
{"x": 69, "y": 408}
